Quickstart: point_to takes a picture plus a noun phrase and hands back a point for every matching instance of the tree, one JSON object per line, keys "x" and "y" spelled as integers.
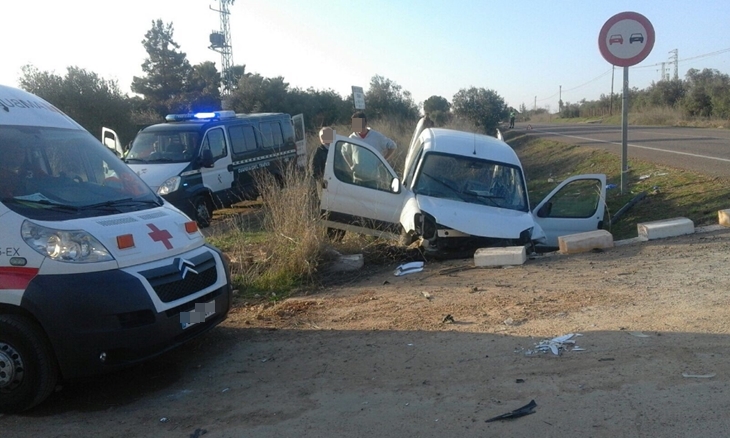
{"x": 167, "y": 71}
{"x": 256, "y": 93}
{"x": 438, "y": 109}
{"x": 484, "y": 108}
{"x": 92, "y": 101}
{"x": 204, "y": 87}
{"x": 708, "y": 93}
{"x": 385, "y": 98}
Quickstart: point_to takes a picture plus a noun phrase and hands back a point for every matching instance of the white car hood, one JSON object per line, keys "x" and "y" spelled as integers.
{"x": 479, "y": 220}
{"x": 154, "y": 174}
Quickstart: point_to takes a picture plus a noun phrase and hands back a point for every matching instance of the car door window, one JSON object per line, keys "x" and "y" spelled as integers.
{"x": 579, "y": 199}
{"x": 215, "y": 141}
{"x": 357, "y": 165}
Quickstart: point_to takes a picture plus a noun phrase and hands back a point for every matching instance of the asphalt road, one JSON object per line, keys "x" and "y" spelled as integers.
{"x": 697, "y": 149}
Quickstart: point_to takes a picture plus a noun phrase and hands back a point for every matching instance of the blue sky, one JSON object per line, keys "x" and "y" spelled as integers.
{"x": 523, "y": 50}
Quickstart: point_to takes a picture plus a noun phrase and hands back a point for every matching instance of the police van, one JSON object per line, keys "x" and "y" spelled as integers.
{"x": 203, "y": 161}
{"x": 97, "y": 272}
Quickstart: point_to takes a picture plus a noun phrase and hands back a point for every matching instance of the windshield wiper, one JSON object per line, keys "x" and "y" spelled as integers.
{"x": 119, "y": 202}
{"x": 445, "y": 184}
{"x": 43, "y": 202}
{"x": 489, "y": 198}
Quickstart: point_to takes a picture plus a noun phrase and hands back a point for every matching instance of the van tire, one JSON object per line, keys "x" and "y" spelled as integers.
{"x": 203, "y": 210}
{"x": 28, "y": 370}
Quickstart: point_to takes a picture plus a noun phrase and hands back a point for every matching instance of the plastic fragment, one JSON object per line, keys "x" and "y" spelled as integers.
{"x": 408, "y": 268}
{"x": 698, "y": 376}
{"x": 521, "y": 412}
{"x": 639, "y": 335}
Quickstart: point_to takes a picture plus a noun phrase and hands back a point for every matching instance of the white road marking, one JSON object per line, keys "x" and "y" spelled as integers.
{"x": 635, "y": 146}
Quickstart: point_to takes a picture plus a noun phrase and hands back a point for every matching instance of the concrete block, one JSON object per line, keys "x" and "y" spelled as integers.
{"x": 723, "y": 217}
{"x": 677, "y": 226}
{"x": 505, "y": 256}
{"x": 345, "y": 263}
{"x": 583, "y": 242}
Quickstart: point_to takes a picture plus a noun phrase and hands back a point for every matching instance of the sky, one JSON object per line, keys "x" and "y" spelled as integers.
{"x": 531, "y": 53}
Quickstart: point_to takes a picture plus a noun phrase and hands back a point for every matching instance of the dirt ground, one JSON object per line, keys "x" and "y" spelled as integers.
{"x": 370, "y": 355}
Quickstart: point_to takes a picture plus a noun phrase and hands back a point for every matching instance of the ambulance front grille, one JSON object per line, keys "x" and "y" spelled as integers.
{"x": 183, "y": 277}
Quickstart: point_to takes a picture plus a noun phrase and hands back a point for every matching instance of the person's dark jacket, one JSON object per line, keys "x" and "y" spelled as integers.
{"x": 318, "y": 162}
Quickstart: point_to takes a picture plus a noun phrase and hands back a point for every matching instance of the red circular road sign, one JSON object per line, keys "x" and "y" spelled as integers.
{"x": 626, "y": 39}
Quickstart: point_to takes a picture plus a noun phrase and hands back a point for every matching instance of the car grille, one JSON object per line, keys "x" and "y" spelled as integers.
{"x": 168, "y": 282}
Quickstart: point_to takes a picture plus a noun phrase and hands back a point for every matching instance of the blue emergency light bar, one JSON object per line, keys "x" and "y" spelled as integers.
{"x": 227, "y": 114}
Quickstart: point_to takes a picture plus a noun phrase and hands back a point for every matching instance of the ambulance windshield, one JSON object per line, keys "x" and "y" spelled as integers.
{"x": 52, "y": 170}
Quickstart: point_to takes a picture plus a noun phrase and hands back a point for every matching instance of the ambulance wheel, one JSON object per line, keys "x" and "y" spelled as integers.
{"x": 203, "y": 214}
{"x": 28, "y": 372}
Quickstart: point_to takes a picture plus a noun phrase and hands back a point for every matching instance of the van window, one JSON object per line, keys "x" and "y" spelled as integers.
{"x": 216, "y": 142}
{"x": 266, "y": 135}
{"x": 276, "y": 132}
{"x": 243, "y": 139}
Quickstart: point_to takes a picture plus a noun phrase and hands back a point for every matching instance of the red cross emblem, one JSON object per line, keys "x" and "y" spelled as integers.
{"x": 158, "y": 235}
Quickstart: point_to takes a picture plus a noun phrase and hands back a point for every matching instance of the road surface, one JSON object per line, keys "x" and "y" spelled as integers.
{"x": 696, "y": 149}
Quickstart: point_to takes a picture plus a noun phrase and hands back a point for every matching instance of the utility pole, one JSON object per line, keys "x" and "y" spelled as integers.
{"x": 610, "y": 105}
{"x": 220, "y": 41}
{"x": 675, "y": 61}
{"x": 534, "y": 106}
{"x": 560, "y": 99}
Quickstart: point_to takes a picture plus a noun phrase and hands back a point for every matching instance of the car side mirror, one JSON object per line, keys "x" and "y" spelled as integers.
{"x": 206, "y": 160}
{"x": 395, "y": 185}
{"x": 545, "y": 210}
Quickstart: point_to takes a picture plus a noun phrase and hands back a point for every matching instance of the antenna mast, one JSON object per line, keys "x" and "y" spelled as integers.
{"x": 220, "y": 41}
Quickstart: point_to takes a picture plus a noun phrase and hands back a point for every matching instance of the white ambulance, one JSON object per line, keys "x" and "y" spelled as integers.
{"x": 97, "y": 272}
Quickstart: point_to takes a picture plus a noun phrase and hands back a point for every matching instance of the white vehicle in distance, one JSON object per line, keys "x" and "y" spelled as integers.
{"x": 460, "y": 191}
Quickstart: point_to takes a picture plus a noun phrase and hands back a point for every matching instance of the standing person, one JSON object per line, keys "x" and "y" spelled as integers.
{"x": 320, "y": 155}
{"x": 360, "y": 129}
{"x": 512, "y": 119}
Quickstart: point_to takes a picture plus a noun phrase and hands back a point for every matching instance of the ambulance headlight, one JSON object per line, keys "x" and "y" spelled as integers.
{"x": 169, "y": 186}
{"x": 64, "y": 246}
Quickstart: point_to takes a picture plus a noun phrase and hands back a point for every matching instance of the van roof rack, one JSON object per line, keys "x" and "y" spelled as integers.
{"x": 209, "y": 115}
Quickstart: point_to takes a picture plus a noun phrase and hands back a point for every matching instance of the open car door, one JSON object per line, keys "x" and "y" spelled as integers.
{"x": 575, "y": 206}
{"x": 300, "y": 140}
{"x": 361, "y": 192}
{"x": 111, "y": 140}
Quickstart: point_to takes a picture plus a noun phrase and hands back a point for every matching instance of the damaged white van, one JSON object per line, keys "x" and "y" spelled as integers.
{"x": 97, "y": 272}
{"x": 460, "y": 191}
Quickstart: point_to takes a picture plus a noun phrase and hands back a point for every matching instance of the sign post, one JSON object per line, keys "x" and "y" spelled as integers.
{"x": 358, "y": 97}
{"x": 625, "y": 39}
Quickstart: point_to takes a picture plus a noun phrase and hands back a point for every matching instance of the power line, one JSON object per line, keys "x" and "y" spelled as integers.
{"x": 706, "y": 55}
{"x": 579, "y": 86}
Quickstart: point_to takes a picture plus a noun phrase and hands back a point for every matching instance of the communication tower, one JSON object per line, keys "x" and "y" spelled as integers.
{"x": 675, "y": 61}
{"x": 220, "y": 41}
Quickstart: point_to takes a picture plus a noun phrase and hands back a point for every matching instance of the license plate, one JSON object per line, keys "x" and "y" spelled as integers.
{"x": 200, "y": 314}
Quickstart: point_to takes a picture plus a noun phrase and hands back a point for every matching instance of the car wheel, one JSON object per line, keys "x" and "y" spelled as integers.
{"x": 203, "y": 214}
{"x": 28, "y": 371}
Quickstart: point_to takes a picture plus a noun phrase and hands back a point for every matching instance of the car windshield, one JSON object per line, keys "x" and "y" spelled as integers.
{"x": 53, "y": 171}
{"x": 471, "y": 180}
{"x": 163, "y": 147}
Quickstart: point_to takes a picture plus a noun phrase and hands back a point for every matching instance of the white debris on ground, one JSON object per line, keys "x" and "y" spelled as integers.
{"x": 555, "y": 345}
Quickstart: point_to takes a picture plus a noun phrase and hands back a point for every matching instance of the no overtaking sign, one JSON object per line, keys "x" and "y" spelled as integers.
{"x": 626, "y": 39}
